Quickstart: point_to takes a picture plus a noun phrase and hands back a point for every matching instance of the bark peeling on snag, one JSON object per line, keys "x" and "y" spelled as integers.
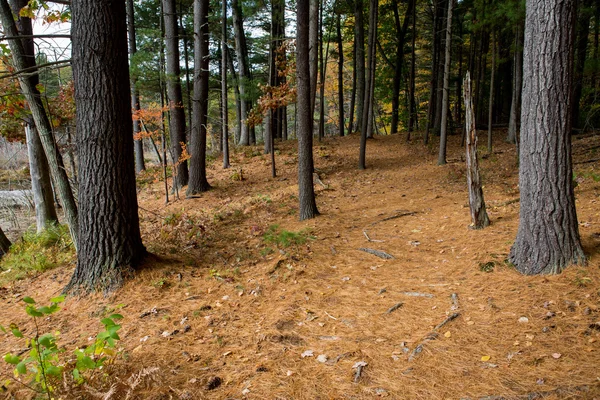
{"x": 548, "y": 236}
{"x": 110, "y": 244}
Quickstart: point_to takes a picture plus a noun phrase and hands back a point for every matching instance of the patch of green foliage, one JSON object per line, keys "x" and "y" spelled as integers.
{"x": 37, "y": 252}
{"x": 283, "y": 238}
{"x": 42, "y": 365}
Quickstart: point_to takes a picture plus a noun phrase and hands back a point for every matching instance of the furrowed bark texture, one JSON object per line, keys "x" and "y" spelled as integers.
{"x": 479, "y": 216}
{"x": 176, "y": 113}
{"x": 4, "y": 243}
{"x": 306, "y": 193}
{"x": 548, "y": 237}
{"x": 109, "y": 237}
{"x": 32, "y": 95}
{"x": 135, "y": 103}
{"x": 198, "y": 182}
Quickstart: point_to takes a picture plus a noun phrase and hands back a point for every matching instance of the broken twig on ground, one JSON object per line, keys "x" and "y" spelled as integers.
{"x": 378, "y": 253}
{"x": 394, "y": 308}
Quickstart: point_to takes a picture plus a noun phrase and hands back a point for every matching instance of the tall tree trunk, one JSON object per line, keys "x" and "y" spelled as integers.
{"x": 548, "y": 235}
{"x": 445, "y": 97}
{"x": 433, "y": 83}
{"x": 176, "y": 112}
{"x": 581, "y": 44}
{"x": 238, "y": 100}
{"x": 198, "y": 182}
{"x": 225, "y": 123}
{"x": 313, "y": 46}
{"x": 459, "y": 95}
{"x": 400, "y": 35}
{"x": 515, "y": 105}
{"x": 241, "y": 50}
{"x": 354, "y": 88}
{"x": 41, "y": 185}
{"x": 338, "y": 28}
{"x": 479, "y": 216}
{"x": 306, "y": 193}
{"x": 34, "y": 100}
{"x": 186, "y": 60}
{"x": 138, "y": 144}
{"x": 411, "y": 95}
{"x": 359, "y": 61}
{"x": 110, "y": 245}
{"x": 367, "y": 120}
{"x": 491, "y": 99}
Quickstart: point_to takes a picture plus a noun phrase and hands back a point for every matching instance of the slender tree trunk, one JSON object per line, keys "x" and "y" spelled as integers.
{"x": 445, "y": 97}
{"x": 138, "y": 144}
{"x": 411, "y": 95}
{"x": 33, "y": 98}
{"x": 241, "y": 49}
{"x": 459, "y": 95}
{"x": 479, "y": 216}
{"x": 400, "y": 35}
{"x": 548, "y": 235}
{"x": 225, "y": 122}
{"x": 306, "y": 193}
{"x": 238, "y": 100}
{"x": 359, "y": 62}
{"x": 174, "y": 94}
{"x": 354, "y": 89}
{"x": 313, "y": 47}
{"x": 581, "y": 44}
{"x": 110, "y": 245}
{"x": 491, "y": 99}
{"x": 367, "y": 120}
{"x": 198, "y": 182}
{"x": 45, "y": 212}
{"x": 515, "y": 105}
{"x": 433, "y": 95}
{"x": 338, "y": 28}
{"x": 186, "y": 61}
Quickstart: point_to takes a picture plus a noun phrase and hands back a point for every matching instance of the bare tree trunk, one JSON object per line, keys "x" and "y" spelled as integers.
{"x": 306, "y": 193}
{"x": 515, "y": 105}
{"x": 313, "y": 46}
{"x": 479, "y": 216}
{"x": 225, "y": 122}
{"x": 581, "y": 44}
{"x": 445, "y": 97}
{"x": 198, "y": 182}
{"x": 491, "y": 100}
{"x": 411, "y": 95}
{"x": 241, "y": 49}
{"x": 32, "y": 95}
{"x": 367, "y": 120}
{"x": 548, "y": 236}
{"x": 359, "y": 61}
{"x": 176, "y": 113}
{"x": 338, "y": 28}
{"x": 354, "y": 90}
{"x": 138, "y": 145}
{"x": 238, "y": 100}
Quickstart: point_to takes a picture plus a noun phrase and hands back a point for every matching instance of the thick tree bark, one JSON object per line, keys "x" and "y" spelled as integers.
{"x": 367, "y": 118}
{"x": 176, "y": 112}
{"x": 359, "y": 61}
{"x": 198, "y": 182}
{"x": 306, "y": 192}
{"x": 41, "y": 185}
{"x": 479, "y": 216}
{"x": 33, "y": 98}
{"x": 548, "y": 236}
{"x": 225, "y": 122}
{"x": 313, "y": 46}
{"x": 515, "y": 105}
{"x": 445, "y": 94}
{"x": 138, "y": 145}
{"x": 411, "y": 96}
{"x": 338, "y": 28}
{"x": 110, "y": 244}
{"x": 433, "y": 84}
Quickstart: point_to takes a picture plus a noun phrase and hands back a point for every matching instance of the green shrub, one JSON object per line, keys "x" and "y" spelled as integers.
{"x": 283, "y": 238}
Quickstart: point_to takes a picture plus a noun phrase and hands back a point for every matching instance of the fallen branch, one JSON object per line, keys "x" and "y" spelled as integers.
{"x": 417, "y": 294}
{"x": 506, "y": 203}
{"x": 359, "y": 368}
{"x": 378, "y": 253}
{"x": 400, "y": 215}
{"x": 454, "y": 298}
{"x": 369, "y": 239}
{"x": 318, "y": 180}
{"x": 394, "y": 308}
{"x": 587, "y": 161}
{"x": 431, "y": 336}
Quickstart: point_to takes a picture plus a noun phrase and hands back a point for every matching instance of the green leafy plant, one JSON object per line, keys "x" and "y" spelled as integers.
{"x": 42, "y": 362}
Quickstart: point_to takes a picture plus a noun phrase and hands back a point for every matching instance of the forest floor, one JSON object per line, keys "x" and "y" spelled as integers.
{"x": 238, "y": 289}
